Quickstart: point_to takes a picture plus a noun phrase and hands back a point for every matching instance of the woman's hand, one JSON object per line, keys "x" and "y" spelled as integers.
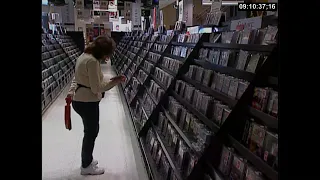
{"x": 69, "y": 96}
{"x": 118, "y": 79}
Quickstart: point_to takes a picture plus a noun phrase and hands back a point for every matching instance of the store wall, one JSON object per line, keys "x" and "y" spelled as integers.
{"x": 169, "y": 15}
{"x": 169, "y": 12}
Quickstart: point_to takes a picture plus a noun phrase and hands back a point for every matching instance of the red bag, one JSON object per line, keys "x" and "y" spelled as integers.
{"x": 67, "y": 113}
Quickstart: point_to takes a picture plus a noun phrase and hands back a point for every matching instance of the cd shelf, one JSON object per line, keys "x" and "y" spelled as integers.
{"x": 165, "y": 74}
{"x": 58, "y": 62}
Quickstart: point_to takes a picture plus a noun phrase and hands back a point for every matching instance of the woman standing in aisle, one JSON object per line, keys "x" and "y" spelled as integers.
{"x": 86, "y": 91}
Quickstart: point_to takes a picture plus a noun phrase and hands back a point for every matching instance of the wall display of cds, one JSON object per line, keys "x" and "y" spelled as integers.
{"x": 186, "y": 91}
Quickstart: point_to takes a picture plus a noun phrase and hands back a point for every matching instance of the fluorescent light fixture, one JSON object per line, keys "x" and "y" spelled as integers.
{"x": 44, "y": 2}
{"x": 225, "y": 3}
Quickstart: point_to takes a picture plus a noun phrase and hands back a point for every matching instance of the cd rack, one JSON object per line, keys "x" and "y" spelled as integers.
{"x": 155, "y": 77}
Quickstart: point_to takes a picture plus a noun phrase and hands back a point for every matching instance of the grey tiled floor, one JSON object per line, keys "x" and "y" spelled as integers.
{"x": 116, "y": 148}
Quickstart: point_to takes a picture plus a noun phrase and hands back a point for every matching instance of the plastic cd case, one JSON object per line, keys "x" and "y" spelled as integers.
{"x": 203, "y": 53}
{"x": 245, "y": 37}
{"x": 238, "y": 169}
{"x": 242, "y": 86}
{"x": 235, "y": 37}
{"x": 218, "y": 112}
{"x": 260, "y": 36}
{"x": 191, "y": 72}
{"x": 186, "y": 126}
{"x": 247, "y": 132}
{"x": 219, "y": 83}
{"x": 182, "y": 117}
{"x": 216, "y": 57}
{"x": 270, "y": 148}
{"x": 199, "y": 74}
{"x": 253, "y": 174}
{"x": 272, "y": 107}
{"x": 242, "y": 59}
{"x": 155, "y": 149}
{"x": 233, "y": 87}
{"x": 260, "y": 98}
{"x": 192, "y": 162}
{"x": 226, "y": 37}
{"x": 226, "y": 160}
{"x": 226, "y": 84}
{"x": 225, "y": 114}
{"x": 214, "y": 37}
{"x": 207, "y": 75}
{"x": 253, "y": 62}
{"x": 205, "y": 134}
{"x": 165, "y": 167}
{"x": 257, "y": 139}
{"x": 270, "y": 36}
{"x": 182, "y": 156}
{"x": 158, "y": 157}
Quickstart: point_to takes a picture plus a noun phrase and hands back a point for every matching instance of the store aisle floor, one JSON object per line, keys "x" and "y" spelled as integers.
{"x": 116, "y": 149}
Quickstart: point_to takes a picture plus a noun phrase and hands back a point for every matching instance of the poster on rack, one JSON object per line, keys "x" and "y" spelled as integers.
{"x": 68, "y": 14}
{"x": 136, "y": 15}
{"x": 89, "y": 33}
{"x": 161, "y": 17}
{"x": 96, "y": 5}
{"x": 113, "y": 16}
{"x": 188, "y": 12}
{"x": 100, "y": 5}
{"x": 127, "y": 10}
{"x": 113, "y": 5}
{"x": 180, "y": 11}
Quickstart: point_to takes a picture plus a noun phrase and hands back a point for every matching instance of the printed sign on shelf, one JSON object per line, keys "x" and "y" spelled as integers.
{"x": 96, "y": 5}
{"x": 180, "y": 11}
{"x": 161, "y": 17}
{"x": 68, "y": 13}
{"x": 248, "y": 23}
{"x": 79, "y": 4}
{"x": 114, "y": 16}
{"x": 103, "y": 5}
{"x": 127, "y": 10}
{"x": 187, "y": 12}
{"x": 113, "y": 5}
{"x": 104, "y": 15}
{"x": 136, "y": 15}
{"x": 80, "y": 14}
{"x": 100, "y": 5}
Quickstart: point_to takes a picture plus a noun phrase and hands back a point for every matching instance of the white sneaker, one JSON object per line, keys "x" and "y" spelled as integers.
{"x": 92, "y": 170}
{"x": 94, "y": 162}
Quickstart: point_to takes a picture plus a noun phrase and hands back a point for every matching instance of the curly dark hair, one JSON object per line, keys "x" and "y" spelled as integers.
{"x": 102, "y": 46}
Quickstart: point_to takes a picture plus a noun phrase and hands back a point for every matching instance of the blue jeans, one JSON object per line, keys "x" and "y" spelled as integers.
{"x": 89, "y": 112}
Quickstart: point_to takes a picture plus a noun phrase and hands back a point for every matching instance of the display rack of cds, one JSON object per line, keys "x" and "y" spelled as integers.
{"x": 57, "y": 68}
{"x": 205, "y": 106}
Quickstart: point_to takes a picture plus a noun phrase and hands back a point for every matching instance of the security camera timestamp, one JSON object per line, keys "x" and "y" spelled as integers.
{"x": 257, "y": 6}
